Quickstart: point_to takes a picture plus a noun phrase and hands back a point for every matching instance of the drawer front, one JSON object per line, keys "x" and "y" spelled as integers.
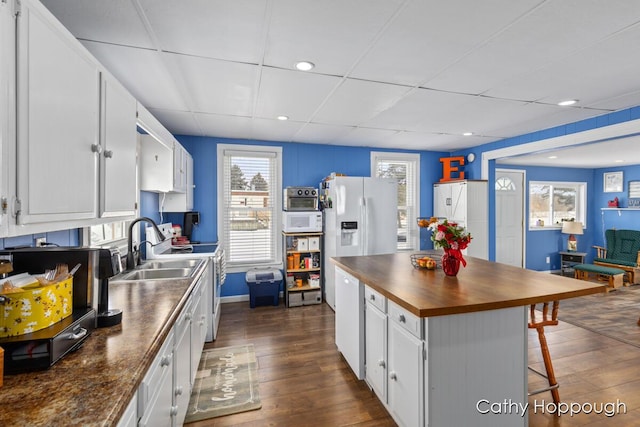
{"x": 161, "y": 366}
{"x": 572, "y": 258}
{"x": 375, "y": 298}
{"x": 410, "y": 322}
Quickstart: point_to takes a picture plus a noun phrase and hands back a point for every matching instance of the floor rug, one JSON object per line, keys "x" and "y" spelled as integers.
{"x": 226, "y": 383}
{"x": 614, "y": 314}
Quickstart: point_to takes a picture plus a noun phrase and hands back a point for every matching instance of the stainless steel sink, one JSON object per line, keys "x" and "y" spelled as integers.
{"x": 155, "y": 274}
{"x": 172, "y": 263}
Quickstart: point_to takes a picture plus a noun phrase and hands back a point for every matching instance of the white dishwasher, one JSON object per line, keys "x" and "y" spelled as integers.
{"x": 350, "y": 320}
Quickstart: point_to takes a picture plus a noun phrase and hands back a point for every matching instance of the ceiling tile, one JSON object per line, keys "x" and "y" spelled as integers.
{"x": 426, "y": 37}
{"x": 275, "y": 130}
{"x": 329, "y": 33}
{"x": 549, "y": 33}
{"x": 177, "y": 122}
{"x": 366, "y": 137}
{"x": 295, "y": 94}
{"x": 220, "y": 87}
{"x": 356, "y": 101}
{"x": 113, "y": 21}
{"x": 142, "y": 72}
{"x": 220, "y": 29}
{"x": 225, "y": 126}
{"x": 321, "y": 133}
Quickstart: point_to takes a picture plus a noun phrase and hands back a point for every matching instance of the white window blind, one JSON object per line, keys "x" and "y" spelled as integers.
{"x": 248, "y": 204}
{"x": 405, "y": 167}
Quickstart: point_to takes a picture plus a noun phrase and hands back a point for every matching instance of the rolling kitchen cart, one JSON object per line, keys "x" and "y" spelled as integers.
{"x": 302, "y": 261}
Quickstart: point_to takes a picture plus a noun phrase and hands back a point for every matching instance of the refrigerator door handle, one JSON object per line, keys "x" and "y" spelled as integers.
{"x": 364, "y": 235}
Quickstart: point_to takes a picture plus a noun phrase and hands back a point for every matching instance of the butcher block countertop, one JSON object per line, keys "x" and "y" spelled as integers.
{"x": 93, "y": 385}
{"x": 481, "y": 285}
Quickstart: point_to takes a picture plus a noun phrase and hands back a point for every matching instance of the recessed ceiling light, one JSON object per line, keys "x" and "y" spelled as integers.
{"x": 553, "y": 157}
{"x": 467, "y": 134}
{"x": 283, "y": 117}
{"x": 567, "y": 102}
{"x": 304, "y": 65}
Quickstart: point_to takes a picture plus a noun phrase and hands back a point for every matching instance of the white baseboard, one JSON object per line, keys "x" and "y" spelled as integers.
{"x": 240, "y": 298}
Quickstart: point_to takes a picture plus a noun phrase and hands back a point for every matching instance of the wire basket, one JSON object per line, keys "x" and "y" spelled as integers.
{"x": 417, "y": 260}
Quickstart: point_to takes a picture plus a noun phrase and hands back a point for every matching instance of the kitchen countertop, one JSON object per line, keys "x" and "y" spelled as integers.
{"x": 93, "y": 385}
{"x": 481, "y": 285}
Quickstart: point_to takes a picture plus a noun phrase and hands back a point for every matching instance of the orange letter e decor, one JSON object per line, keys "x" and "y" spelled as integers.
{"x": 448, "y": 168}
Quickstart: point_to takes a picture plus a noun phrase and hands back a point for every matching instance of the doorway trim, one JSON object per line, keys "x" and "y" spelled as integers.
{"x": 525, "y": 215}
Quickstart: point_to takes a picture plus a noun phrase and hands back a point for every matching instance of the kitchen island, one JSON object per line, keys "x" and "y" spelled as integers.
{"x": 94, "y": 385}
{"x": 444, "y": 350}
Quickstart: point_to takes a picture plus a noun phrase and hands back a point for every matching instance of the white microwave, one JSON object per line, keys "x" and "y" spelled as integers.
{"x": 301, "y": 222}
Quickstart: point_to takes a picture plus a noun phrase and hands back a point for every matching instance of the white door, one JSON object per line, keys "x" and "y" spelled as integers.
{"x": 380, "y": 216}
{"x": 58, "y": 121}
{"x": 376, "y": 350}
{"x": 118, "y": 160}
{"x": 7, "y": 104}
{"x": 509, "y": 190}
{"x": 404, "y": 389}
{"x": 459, "y": 203}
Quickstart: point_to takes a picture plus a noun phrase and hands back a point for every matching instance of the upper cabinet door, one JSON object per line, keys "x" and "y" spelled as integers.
{"x": 58, "y": 121}
{"x": 118, "y": 159}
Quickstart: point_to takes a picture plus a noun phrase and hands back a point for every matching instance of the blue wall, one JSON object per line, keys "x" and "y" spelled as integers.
{"x": 302, "y": 164}
{"x": 61, "y": 238}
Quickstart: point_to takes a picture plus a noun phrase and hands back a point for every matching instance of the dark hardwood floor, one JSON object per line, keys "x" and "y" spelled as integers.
{"x": 305, "y": 382}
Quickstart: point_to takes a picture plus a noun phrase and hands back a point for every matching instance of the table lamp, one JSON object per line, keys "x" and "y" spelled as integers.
{"x": 572, "y": 228}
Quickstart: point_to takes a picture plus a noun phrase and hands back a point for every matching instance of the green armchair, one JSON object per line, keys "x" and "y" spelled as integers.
{"x": 622, "y": 251}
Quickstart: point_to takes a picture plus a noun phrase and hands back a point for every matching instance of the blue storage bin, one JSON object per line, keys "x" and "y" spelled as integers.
{"x": 264, "y": 286}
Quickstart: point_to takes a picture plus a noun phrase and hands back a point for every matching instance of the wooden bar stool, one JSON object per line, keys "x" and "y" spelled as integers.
{"x": 539, "y": 326}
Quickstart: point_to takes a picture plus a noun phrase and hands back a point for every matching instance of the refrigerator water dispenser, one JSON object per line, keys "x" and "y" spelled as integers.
{"x": 349, "y": 233}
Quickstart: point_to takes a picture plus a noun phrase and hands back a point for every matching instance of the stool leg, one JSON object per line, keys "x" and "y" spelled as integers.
{"x": 548, "y": 365}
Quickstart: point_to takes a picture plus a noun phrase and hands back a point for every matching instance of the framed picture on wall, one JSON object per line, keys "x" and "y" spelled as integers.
{"x": 613, "y": 182}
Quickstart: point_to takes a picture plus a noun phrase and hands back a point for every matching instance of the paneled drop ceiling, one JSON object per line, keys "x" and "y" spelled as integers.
{"x": 388, "y": 73}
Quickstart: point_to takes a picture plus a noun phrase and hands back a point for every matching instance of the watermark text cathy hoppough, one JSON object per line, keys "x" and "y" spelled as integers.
{"x": 510, "y": 407}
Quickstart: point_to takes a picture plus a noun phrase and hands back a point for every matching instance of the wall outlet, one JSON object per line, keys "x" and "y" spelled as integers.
{"x": 548, "y": 260}
{"x": 41, "y": 241}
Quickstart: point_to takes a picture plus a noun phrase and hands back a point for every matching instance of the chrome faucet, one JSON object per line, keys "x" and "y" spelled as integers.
{"x": 131, "y": 256}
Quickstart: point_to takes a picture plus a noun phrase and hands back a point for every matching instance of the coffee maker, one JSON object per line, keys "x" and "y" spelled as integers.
{"x": 110, "y": 265}
{"x": 44, "y": 347}
{"x": 190, "y": 220}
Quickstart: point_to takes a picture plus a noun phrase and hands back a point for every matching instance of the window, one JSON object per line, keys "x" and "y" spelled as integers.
{"x": 405, "y": 168}
{"x": 551, "y": 203}
{"x": 249, "y": 182}
{"x": 108, "y": 234}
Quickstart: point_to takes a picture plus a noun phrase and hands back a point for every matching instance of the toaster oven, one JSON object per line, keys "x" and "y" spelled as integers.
{"x": 300, "y": 199}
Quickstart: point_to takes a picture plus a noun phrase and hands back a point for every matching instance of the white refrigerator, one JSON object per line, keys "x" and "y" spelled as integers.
{"x": 360, "y": 218}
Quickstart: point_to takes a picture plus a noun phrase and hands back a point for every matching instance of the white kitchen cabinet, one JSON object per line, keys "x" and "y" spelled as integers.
{"x": 7, "y": 109}
{"x": 163, "y": 165}
{"x": 118, "y": 172}
{"x": 376, "y": 343}
{"x": 182, "y": 371}
{"x": 180, "y": 202}
{"x": 405, "y": 368}
{"x": 58, "y": 121}
{"x": 198, "y": 325}
{"x": 465, "y": 202}
{"x": 130, "y": 416}
{"x": 155, "y": 395}
{"x": 179, "y": 168}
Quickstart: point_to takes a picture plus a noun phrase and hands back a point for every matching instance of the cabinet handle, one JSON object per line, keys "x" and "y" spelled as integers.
{"x": 166, "y": 360}
{"x": 381, "y": 363}
{"x": 108, "y": 154}
{"x": 96, "y": 148}
{"x": 174, "y": 411}
{"x": 402, "y": 319}
{"x": 393, "y": 376}
{"x": 372, "y": 297}
{"x": 179, "y": 391}
{"x": 188, "y": 316}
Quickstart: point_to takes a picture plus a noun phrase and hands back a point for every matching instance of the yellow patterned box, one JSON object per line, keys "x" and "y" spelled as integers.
{"x": 35, "y": 307}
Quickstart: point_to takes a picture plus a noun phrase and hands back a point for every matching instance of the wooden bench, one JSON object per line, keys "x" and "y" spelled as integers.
{"x": 614, "y": 276}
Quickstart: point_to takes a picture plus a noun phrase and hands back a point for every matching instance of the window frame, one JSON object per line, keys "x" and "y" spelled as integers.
{"x": 257, "y": 151}
{"x": 413, "y": 231}
{"x": 581, "y": 203}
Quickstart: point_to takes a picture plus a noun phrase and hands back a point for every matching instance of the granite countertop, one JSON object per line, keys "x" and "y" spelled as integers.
{"x": 481, "y": 285}
{"x": 93, "y": 385}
